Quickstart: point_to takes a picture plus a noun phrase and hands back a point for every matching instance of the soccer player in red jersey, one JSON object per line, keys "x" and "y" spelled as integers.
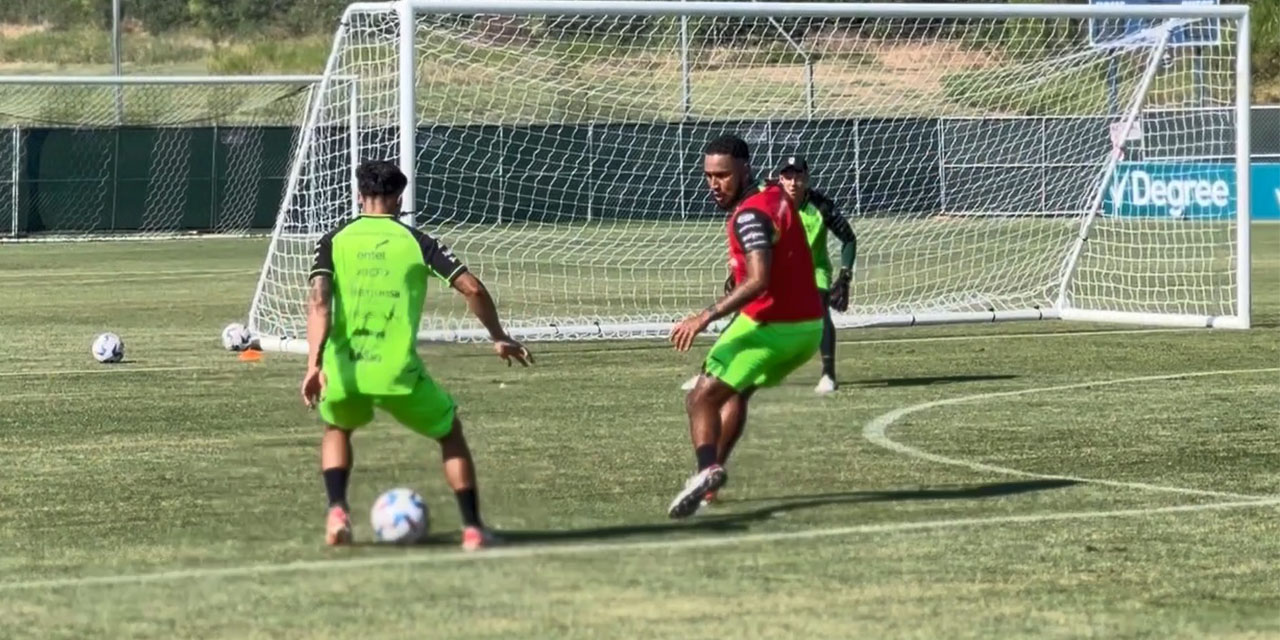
{"x": 780, "y": 321}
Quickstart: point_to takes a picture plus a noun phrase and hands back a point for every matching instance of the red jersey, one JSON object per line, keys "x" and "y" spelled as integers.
{"x": 768, "y": 219}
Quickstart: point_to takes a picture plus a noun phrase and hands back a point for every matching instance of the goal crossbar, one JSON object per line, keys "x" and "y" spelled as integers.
{"x": 808, "y": 9}
{"x": 416, "y": 46}
{"x": 161, "y": 80}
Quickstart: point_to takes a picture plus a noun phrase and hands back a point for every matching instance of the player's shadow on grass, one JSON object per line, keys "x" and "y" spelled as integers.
{"x": 924, "y": 381}
{"x": 736, "y": 521}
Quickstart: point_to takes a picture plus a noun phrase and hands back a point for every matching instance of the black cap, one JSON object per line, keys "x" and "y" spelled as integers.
{"x": 793, "y": 163}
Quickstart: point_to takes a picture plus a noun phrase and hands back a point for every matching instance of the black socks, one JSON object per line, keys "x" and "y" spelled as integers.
{"x": 335, "y": 484}
{"x": 828, "y": 347}
{"x": 469, "y": 507}
{"x": 706, "y": 456}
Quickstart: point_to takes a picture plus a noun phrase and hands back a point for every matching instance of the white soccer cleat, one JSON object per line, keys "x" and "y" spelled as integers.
{"x": 826, "y": 385}
{"x": 695, "y": 489}
{"x": 690, "y": 383}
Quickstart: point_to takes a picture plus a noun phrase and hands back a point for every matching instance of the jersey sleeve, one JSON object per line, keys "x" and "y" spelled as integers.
{"x": 322, "y": 263}
{"x": 832, "y": 217}
{"x": 439, "y": 257}
{"x": 754, "y": 230}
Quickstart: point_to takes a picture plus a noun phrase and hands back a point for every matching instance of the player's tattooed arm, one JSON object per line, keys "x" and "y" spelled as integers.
{"x": 483, "y": 308}
{"x": 319, "y": 306}
{"x": 319, "y": 311}
{"x": 749, "y": 289}
{"x": 754, "y": 233}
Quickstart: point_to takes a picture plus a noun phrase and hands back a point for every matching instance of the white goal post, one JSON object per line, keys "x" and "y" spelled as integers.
{"x": 998, "y": 162}
{"x": 111, "y": 157}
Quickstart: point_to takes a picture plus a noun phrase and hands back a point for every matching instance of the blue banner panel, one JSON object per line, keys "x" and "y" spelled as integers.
{"x": 1264, "y": 191}
{"x": 1197, "y": 191}
{"x": 1192, "y": 191}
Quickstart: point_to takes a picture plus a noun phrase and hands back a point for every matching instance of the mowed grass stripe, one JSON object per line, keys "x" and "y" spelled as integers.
{"x": 534, "y": 551}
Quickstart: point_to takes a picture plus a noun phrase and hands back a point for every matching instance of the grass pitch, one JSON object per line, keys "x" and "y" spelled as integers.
{"x": 178, "y": 494}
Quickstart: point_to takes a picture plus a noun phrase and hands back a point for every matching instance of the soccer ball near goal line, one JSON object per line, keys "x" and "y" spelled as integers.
{"x": 235, "y": 337}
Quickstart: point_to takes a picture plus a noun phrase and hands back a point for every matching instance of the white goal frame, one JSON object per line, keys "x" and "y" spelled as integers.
{"x": 9, "y": 233}
{"x": 408, "y": 10}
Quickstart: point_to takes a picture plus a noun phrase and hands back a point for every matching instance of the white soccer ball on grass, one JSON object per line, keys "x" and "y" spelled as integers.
{"x": 108, "y": 348}
{"x": 235, "y": 337}
{"x": 399, "y": 516}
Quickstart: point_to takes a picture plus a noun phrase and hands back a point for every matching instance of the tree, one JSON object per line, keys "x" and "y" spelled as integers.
{"x": 221, "y": 19}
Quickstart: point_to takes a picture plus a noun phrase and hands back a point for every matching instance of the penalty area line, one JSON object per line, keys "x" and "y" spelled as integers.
{"x": 552, "y": 550}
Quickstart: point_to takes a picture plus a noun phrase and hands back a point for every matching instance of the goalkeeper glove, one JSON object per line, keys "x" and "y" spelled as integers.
{"x": 840, "y": 292}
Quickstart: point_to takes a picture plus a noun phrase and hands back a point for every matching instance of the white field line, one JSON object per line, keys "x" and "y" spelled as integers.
{"x": 53, "y": 273}
{"x": 400, "y": 559}
{"x": 163, "y": 278}
{"x": 688, "y": 543}
{"x": 1002, "y": 336}
{"x": 104, "y": 369}
{"x": 114, "y": 280}
{"x": 875, "y": 432}
{"x": 993, "y": 336}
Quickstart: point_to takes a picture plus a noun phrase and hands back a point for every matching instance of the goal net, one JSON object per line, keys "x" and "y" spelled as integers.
{"x": 996, "y": 162}
{"x": 107, "y": 157}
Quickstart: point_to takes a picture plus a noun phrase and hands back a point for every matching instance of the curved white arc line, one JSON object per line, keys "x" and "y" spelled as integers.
{"x": 875, "y": 431}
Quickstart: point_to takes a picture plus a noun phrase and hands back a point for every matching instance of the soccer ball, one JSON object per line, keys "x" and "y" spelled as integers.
{"x": 108, "y": 348}
{"x": 235, "y": 337}
{"x": 399, "y": 516}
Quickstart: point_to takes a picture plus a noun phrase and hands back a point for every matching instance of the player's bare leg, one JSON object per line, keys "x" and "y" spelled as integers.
{"x": 703, "y": 405}
{"x": 460, "y": 473}
{"x": 335, "y": 466}
{"x": 733, "y": 420}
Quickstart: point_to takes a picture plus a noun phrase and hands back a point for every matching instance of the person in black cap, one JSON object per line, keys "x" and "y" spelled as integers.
{"x": 820, "y": 215}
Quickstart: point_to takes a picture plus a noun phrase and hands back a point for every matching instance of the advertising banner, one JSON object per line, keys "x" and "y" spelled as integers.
{"x": 1190, "y": 191}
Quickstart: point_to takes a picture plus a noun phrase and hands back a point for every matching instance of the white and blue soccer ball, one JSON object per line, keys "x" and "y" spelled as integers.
{"x": 108, "y": 348}
{"x": 399, "y": 516}
{"x": 235, "y": 337}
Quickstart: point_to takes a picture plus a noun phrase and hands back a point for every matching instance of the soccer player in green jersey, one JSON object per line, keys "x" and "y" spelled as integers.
{"x": 368, "y": 283}
{"x": 778, "y": 321}
{"x": 820, "y": 215}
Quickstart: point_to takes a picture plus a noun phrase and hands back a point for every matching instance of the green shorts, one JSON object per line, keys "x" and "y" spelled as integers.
{"x": 749, "y": 354}
{"x": 428, "y": 409}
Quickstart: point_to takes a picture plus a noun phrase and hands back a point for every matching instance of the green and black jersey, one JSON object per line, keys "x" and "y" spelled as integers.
{"x": 818, "y": 215}
{"x": 379, "y": 268}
